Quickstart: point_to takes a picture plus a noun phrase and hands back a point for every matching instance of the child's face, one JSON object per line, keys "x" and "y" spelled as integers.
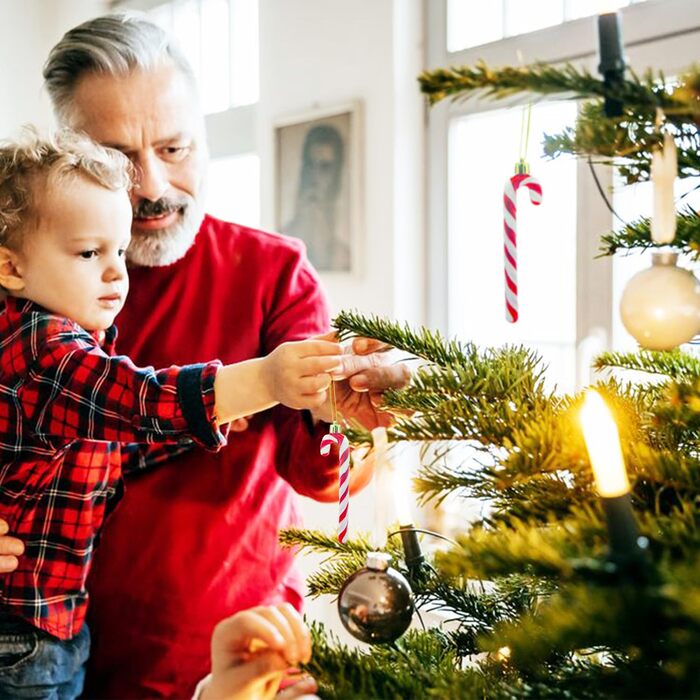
{"x": 73, "y": 262}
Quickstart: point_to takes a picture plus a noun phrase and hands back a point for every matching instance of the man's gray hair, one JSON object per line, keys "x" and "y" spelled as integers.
{"x": 115, "y": 44}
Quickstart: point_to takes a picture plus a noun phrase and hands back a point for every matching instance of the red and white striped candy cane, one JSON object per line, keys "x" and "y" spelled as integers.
{"x": 337, "y": 438}
{"x": 510, "y": 244}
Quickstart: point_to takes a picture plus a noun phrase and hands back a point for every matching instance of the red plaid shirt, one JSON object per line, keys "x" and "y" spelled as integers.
{"x": 66, "y": 402}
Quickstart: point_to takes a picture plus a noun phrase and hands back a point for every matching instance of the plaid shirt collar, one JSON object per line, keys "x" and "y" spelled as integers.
{"x": 15, "y": 307}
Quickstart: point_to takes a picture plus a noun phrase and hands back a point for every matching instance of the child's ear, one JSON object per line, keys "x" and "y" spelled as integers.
{"x": 10, "y": 276}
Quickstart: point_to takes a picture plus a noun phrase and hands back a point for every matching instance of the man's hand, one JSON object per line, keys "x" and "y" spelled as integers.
{"x": 10, "y": 549}
{"x": 368, "y": 373}
{"x": 252, "y": 651}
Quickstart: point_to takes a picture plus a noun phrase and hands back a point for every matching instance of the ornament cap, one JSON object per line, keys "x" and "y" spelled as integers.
{"x": 522, "y": 168}
{"x": 379, "y": 561}
{"x": 664, "y": 257}
{"x": 335, "y": 428}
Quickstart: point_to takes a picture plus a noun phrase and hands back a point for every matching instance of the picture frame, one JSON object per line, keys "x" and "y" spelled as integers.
{"x": 318, "y": 162}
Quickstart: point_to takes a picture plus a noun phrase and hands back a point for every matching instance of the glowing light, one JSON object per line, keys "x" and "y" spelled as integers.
{"x": 503, "y": 654}
{"x": 603, "y": 445}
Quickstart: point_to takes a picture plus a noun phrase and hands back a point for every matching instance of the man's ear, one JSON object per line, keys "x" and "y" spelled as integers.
{"x": 10, "y": 276}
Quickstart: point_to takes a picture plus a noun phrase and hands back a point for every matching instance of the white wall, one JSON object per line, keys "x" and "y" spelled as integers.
{"x": 28, "y": 30}
{"x": 320, "y": 53}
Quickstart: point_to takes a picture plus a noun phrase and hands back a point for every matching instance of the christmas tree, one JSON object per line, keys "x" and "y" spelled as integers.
{"x": 550, "y": 593}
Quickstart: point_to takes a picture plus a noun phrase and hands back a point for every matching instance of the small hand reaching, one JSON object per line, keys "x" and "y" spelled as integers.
{"x": 297, "y": 373}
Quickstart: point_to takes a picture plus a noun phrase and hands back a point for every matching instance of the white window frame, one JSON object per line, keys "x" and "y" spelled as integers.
{"x": 662, "y": 34}
{"x": 230, "y": 133}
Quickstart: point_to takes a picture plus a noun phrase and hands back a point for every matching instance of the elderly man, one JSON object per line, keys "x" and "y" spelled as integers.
{"x": 183, "y": 553}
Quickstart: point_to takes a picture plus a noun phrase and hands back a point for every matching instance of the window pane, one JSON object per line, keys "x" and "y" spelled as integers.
{"x": 483, "y": 149}
{"x": 245, "y": 52}
{"x": 523, "y": 17}
{"x": 472, "y": 23}
{"x": 220, "y": 39}
{"x": 233, "y": 189}
{"x": 587, "y": 8}
{"x": 186, "y": 28}
{"x": 215, "y": 78}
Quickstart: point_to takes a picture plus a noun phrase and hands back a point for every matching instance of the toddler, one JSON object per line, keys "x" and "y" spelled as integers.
{"x": 68, "y": 402}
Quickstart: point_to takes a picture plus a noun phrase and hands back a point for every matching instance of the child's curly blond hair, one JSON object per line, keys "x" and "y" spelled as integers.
{"x": 34, "y": 163}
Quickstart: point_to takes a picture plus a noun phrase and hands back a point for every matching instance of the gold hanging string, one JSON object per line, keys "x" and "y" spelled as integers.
{"x": 335, "y": 427}
{"x": 522, "y": 165}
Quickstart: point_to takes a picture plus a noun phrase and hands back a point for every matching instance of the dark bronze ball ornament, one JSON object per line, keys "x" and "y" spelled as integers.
{"x": 375, "y": 604}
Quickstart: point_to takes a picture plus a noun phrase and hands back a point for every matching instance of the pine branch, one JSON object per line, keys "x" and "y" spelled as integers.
{"x": 519, "y": 547}
{"x": 419, "y": 665}
{"x": 637, "y": 236}
{"x": 675, "y": 364}
{"x": 642, "y": 95}
{"x": 626, "y": 144}
{"x": 631, "y": 627}
{"x": 437, "y": 481}
{"x": 317, "y": 541}
{"x": 429, "y": 345}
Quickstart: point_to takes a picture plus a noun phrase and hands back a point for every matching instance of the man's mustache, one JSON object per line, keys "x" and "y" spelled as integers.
{"x": 145, "y": 208}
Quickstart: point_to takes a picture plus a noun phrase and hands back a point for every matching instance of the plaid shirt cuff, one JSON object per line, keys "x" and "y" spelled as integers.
{"x": 195, "y": 389}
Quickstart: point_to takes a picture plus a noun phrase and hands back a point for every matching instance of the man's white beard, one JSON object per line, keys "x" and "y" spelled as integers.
{"x": 165, "y": 246}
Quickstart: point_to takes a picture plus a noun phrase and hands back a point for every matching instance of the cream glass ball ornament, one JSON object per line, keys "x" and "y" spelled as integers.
{"x": 660, "y": 306}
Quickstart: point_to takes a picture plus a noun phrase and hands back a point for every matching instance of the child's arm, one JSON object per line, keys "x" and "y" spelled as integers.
{"x": 294, "y": 374}
{"x": 75, "y": 390}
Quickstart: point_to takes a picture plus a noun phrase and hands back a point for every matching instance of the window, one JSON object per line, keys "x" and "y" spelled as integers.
{"x": 498, "y": 19}
{"x": 233, "y": 189}
{"x": 220, "y": 39}
{"x": 569, "y": 298}
{"x": 483, "y": 149}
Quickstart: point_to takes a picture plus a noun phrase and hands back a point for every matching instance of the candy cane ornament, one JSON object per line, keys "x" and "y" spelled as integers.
{"x": 335, "y": 437}
{"x": 510, "y": 227}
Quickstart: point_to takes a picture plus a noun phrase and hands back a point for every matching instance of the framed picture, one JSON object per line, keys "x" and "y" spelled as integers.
{"x": 317, "y": 185}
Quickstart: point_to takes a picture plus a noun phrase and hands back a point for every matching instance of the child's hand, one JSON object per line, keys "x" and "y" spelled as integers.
{"x": 297, "y": 373}
{"x": 252, "y": 651}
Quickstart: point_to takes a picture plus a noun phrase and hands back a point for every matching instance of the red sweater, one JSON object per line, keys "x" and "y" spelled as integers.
{"x": 196, "y": 540}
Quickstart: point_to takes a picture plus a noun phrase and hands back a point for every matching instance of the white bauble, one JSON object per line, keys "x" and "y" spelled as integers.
{"x": 660, "y": 306}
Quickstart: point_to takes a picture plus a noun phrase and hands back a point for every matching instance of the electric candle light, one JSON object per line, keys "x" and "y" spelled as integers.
{"x": 413, "y": 554}
{"x": 612, "y": 60}
{"x": 383, "y": 487}
{"x": 389, "y": 480}
{"x": 603, "y": 445}
{"x": 664, "y": 168}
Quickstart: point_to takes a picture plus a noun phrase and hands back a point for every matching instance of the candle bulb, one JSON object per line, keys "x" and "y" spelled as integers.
{"x": 612, "y": 59}
{"x": 603, "y": 445}
{"x": 412, "y": 552}
{"x": 383, "y": 487}
{"x": 664, "y": 168}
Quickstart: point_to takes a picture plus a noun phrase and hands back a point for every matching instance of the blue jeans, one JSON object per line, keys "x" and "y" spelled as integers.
{"x": 34, "y": 664}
